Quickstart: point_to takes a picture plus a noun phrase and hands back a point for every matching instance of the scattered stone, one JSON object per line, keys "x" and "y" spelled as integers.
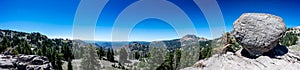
{"x": 230, "y": 61}
{"x": 24, "y": 62}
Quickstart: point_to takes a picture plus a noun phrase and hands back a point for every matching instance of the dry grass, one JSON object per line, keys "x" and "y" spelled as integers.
{"x": 295, "y": 47}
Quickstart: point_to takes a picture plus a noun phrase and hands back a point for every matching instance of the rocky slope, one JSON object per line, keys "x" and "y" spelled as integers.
{"x": 231, "y": 61}
{"x": 24, "y": 62}
{"x": 34, "y": 40}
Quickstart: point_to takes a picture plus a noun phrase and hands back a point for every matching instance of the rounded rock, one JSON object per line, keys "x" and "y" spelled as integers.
{"x": 258, "y": 32}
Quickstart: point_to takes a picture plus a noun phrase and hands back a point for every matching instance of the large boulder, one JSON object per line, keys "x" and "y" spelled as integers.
{"x": 258, "y": 32}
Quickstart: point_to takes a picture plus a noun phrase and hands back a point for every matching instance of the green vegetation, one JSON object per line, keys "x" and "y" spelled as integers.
{"x": 89, "y": 60}
{"x": 177, "y": 59}
{"x": 55, "y": 54}
{"x": 123, "y": 55}
{"x": 5, "y": 44}
{"x": 67, "y": 51}
{"x": 100, "y": 52}
{"x": 157, "y": 57}
{"x": 56, "y": 50}
{"x": 205, "y": 52}
{"x": 70, "y": 67}
{"x": 289, "y": 39}
{"x": 230, "y": 44}
{"x": 168, "y": 62}
{"x": 170, "y": 58}
{"x": 171, "y": 61}
{"x": 110, "y": 55}
{"x": 24, "y": 48}
{"x": 138, "y": 51}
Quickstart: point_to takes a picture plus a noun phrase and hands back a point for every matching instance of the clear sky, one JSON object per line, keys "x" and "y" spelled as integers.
{"x": 54, "y": 18}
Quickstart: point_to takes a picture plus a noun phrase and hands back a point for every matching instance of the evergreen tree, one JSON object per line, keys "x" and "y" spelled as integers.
{"x": 109, "y": 55}
{"x": 55, "y": 57}
{"x": 205, "y": 52}
{"x": 289, "y": 39}
{"x": 123, "y": 55}
{"x": 89, "y": 61}
{"x": 156, "y": 59}
{"x": 177, "y": 59}
{"x": 39, "y": 52}
{"x": 70, "y": 67}
{"x": 59, "y": 63}
{"x": 45, "y": 45}
{"x": 168, "y": 62}
{"x": 136, "y": 55}
{"x": 101, "y": 53}
{"x": 112, "y": 55}
{"x": 67, "y": 51}
{"x": 5, "y": 43}
{"x": 24, "y": 48}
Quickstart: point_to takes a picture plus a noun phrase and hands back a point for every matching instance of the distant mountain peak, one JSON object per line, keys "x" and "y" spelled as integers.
{"x": 191, "y": 40}
{"x": 192, "y": 37}
{"x": 297, "y": 27}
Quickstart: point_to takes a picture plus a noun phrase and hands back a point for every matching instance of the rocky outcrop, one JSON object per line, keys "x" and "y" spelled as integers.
{"x": 231, "y": 61}
{"x": 24, "y": 62}
{"x": 258, "y": 32}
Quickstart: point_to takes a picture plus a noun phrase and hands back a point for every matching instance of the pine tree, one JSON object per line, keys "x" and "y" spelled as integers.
{"x": 123, "y": 55}
{"x": 70, "y": 67}
{"x": 67, "y": 51}
{"x": 59, "y": 63}
{"x": 289, "y": 39}
{"x": 55, "y": 57}
{"x": 177, "y": 59}
{"x": 101, "y": 53}
{"x": 112, "y": 55}
{"x": 168, "y": 62}
{"x": 39, "y": 52}
{"x": 156, "y": 59}
{"x": 24, "y": 48}
{"x": 136, "y": 55}
{"x": 5, "y": 43}
{"x": 89, "y": 61}
{"x": 205, "y": 52}
{"x": 109, "y": 55}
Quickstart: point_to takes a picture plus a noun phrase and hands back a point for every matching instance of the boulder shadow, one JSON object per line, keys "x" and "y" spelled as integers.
{"x": 245, "y": 53}
{"x": 279, "y": 50}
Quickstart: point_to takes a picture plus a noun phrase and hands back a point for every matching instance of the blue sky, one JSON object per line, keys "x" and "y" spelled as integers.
{"x": 54, "y": 18}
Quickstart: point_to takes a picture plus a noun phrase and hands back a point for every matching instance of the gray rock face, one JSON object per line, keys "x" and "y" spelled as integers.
{"x": 24, "y": 62}
{"x": 230, "y": 61}
{"x": 258, "y": 32}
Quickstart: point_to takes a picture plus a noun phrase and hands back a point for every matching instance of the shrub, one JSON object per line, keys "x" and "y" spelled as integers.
{"x": 289, "y": 39}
